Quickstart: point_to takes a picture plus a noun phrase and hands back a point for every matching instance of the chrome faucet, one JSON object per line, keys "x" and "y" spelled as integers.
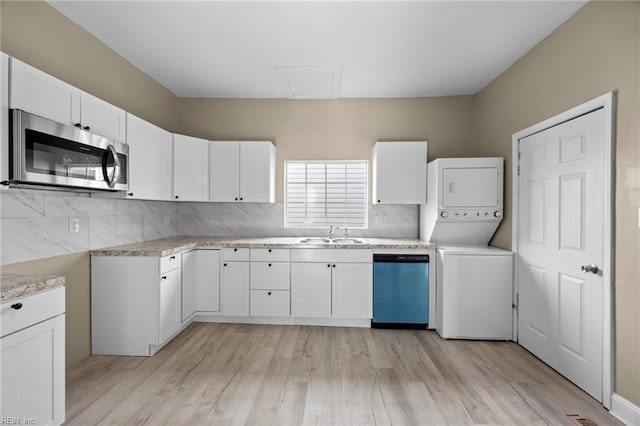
{"x": 331, "y": 232}
{"x": 346, "y": 233}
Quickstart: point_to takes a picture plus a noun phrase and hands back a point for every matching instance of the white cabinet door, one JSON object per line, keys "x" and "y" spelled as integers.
{"x": 235, "y": 289}
{"x": 102, "y": 118}
{"x": 39, "y": 93}
{"x": 190, "y": 168}
{"x": 257, "y": 172}
{"x": 189, "y": 284}
{"x": 33, "y": 373}
{"x": 399, "y": 173}
{"x": 208, "y": 279}
{"x": 224, "y": 183}
{"x": 4, "y": 117}
{"x": 311, "y": 290}
{"x": 351, "y": 290}
{"x": 151, "y": 160}
{"x": 269, "y": 303}
{"x": 170, "y": 304}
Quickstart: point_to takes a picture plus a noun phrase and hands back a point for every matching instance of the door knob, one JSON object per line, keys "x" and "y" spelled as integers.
{"x": 594, "y": 269}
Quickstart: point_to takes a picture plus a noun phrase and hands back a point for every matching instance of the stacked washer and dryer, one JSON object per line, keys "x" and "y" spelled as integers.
{"x": 474, "y": 282}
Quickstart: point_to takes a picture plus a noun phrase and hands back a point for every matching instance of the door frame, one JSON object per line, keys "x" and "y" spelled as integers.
{"x": 605, "y": 102}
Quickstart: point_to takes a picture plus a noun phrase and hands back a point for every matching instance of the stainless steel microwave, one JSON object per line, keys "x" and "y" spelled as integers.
{"x": 44, "y": 152}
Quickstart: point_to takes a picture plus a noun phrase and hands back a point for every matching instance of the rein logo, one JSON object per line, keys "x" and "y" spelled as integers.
{"x": 17, "y": 421}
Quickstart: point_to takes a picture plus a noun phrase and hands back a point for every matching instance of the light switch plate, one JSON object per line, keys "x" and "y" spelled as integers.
{"x": 74, "y": 225}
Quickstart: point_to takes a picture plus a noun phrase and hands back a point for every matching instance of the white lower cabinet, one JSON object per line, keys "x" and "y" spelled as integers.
{"x": 235, "y": 285}
{"x": 170, "y": 304}
{"x": 208, "y": 281}
{"x": 136, "y": 303}
{"x": 32, "y": 353}
{"x": 311, "y": 290}
{"x": 331, "y": 283}
{"x": 270, "y": 282}
{"x": 351, "y": 290}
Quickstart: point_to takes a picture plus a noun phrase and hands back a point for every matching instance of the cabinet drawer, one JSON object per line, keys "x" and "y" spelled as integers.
{"x": 270, "y": 275}
{"x": 36, "y": 308}
{"x": 332, "y": 255}
{"x": 270, "y": 255}
{"x": 170, "y": 262}
{"x": 269, "y": 303}
{"x": 235, "y": 254}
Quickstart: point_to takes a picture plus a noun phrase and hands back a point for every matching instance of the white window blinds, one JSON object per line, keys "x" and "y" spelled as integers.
{"x": 323, "y": 193}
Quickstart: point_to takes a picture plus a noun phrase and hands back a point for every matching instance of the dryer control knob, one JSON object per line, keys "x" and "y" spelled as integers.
{"x": 444, "y": 214}
{"x": 497, "y": 214}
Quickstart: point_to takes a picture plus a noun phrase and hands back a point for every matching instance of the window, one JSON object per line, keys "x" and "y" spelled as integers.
{"x": 323, "y": 193}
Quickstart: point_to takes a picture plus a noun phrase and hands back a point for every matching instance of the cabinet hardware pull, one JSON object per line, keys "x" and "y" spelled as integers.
{"x": 236, "y": 198}
{"x": 241, "y": 198}
{"x": 378, "y": 200}
{"x": 16, "y": 306}
{"x": 235, "y": 249}
{"x": 224, "y": 264}
{"x": 164, "y": 277}
{"x": 177, "y": 197}
{"x": 328, "y": 266}
{"x": 172, "y": 257}
{"x": 269, "y": 294}
{"x": 334, "y": 266}
{"x": 87, "y": 128}
{"x": 130, "y": 194}
{"x": 78, "y": 125}
{"x": 269, "y": 265}
{"x": 269, "y": 250}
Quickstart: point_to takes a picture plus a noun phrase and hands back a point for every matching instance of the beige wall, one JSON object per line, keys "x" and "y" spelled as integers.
{"x": 39, "y": 35}
{"x": 76, "y": 269}
{"x": 344, "y": 129}
{"x": 596, "y": 51}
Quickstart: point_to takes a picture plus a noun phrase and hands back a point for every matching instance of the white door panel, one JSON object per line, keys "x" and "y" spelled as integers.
{"x": 224, "y": 176}
{"x": 561, "y": 228}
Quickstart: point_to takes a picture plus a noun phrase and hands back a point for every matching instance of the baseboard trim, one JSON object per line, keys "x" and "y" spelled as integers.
{"x": 625, "y": 410}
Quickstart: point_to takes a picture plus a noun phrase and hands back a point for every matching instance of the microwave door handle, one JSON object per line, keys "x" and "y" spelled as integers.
{"x": 113, "y": 178}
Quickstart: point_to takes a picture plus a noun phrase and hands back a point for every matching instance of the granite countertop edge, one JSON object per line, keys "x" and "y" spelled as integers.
{"x": 174, "y": 245}
{"x": 14, "y": 286}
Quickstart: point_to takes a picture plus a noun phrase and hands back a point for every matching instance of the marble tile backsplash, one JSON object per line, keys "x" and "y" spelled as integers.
{"x": 34, "y": 224}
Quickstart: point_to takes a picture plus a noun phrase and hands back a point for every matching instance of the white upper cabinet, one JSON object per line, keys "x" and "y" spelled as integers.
{"x": 102, "y": 118}
{"x": 242, "y": 171}
{"x": 151, "y": 160}
{"x": 39, "y": 93}
{"x": 190, "y": 168}
{"x": 4, "y": 118}
{"x": 399, "y": 173}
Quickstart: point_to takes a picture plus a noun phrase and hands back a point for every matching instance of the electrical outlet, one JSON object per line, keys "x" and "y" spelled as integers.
{"x": 74, "y": 225}
{"x": 379, "y": 220}
{"x": 167, "y": 221}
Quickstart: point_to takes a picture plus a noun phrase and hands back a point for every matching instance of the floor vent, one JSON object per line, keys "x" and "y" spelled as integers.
{"x": 581, "y": 421}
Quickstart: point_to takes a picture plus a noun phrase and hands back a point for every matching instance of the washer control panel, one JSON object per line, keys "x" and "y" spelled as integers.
{"x": 471, "y": 214}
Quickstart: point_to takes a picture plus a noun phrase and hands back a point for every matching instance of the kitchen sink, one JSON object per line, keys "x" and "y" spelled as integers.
{"x": 316, "y": 240}
{"x": 347, "y": 241}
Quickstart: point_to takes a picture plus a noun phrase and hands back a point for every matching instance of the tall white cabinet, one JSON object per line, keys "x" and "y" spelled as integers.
{"x": 190, "y": 168}
{"x": 399, "y": 172}
{"x": 242, "y": 172}
{"x": 151, "y": 158}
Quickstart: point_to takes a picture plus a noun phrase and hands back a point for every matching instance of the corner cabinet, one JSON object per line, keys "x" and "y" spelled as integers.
{"x": 39, "y": 93}
{"x": 242, "y": 172}
{"x": 190, "y": 168}
{"x": 32, "y": 353}
{"x": 136, "y": 303}
{"x": 151, "y": 160}
{"x": 399, "y": 172}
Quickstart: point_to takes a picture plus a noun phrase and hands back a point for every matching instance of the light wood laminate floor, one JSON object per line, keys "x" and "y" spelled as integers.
{"x": 234, "y": 374}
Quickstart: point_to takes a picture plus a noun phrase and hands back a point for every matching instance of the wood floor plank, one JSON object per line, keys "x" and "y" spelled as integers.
{"x": 235, "y": 374}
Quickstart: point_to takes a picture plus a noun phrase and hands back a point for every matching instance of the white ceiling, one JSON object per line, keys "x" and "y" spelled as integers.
{"x": 386, "y": 49}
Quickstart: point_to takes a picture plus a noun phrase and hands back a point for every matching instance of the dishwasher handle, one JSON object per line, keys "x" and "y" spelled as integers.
{"x": 400, "y": 258}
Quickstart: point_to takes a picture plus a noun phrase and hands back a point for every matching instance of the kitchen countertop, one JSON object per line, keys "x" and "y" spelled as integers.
{"x": 173, "y": 245}
{"x": 14, "y": 286}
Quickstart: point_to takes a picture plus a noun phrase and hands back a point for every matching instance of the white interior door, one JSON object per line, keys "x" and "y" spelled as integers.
{"x": 561, "y": 228}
